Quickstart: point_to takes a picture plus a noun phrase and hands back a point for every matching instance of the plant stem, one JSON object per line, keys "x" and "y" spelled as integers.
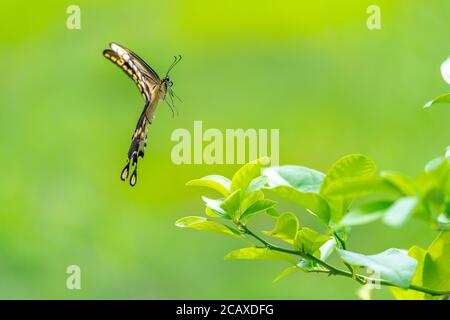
{"x": 334, "y": 270}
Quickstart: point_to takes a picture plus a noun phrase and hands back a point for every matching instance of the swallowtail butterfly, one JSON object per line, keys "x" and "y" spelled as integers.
{"x": 152, "y": 88}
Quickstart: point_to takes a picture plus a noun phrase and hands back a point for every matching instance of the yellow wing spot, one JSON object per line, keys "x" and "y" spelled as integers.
{"x": 130, "y": 71}
{"x": 120, "y": 62}
{"x": 113, "y": 58}
{"x": 107, "y": 55}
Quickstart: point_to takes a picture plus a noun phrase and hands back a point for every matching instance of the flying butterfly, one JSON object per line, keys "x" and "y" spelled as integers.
{"x": 152, "y": 88}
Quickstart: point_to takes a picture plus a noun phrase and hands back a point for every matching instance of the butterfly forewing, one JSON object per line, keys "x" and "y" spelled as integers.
{"x": 125, "y": 66}
{"x": 138, "y": 64}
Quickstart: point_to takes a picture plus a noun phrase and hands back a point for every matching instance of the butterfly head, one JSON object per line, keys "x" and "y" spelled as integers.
{"x": 168, "y": 83}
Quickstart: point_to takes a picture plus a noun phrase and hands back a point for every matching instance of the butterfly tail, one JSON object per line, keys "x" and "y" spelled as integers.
{"x": 136, "y": 150}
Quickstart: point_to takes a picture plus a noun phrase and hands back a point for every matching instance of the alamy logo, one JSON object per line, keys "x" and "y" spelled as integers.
{"x": 374, "y": 19}
{"x": 235, "y": 146}
{"x": 74, "y": 19}
{"x": 73, "y": 281}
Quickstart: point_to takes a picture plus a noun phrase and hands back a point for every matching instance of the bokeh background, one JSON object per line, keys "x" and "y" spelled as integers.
{"x": 310, "y": 68}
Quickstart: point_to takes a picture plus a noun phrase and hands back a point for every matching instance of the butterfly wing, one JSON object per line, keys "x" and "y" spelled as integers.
{"x": 119, "y": 61}
{"x": 138, "y": 64}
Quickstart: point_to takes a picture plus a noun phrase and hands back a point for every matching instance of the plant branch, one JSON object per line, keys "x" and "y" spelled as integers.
{"x": 334, "y": 270}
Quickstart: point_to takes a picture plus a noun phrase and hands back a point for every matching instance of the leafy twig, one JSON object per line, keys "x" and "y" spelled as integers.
{"x": 334, "y": 270}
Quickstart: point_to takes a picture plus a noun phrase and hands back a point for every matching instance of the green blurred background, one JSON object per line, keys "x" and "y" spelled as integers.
{"x": 311, "y": 69}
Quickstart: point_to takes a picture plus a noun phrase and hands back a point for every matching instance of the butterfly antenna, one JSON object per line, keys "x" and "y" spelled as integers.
{"x": 174, "y": 63}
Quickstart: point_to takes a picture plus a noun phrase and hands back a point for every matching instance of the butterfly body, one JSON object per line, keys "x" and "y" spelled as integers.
{"x": 153, "y": 90}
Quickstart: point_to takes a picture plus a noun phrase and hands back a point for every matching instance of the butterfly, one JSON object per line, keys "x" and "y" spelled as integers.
{"x": 152, "y": 88}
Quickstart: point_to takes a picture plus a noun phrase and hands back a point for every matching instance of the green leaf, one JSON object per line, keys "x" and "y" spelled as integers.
{"x": 351, "y": 188}
{"x": 366, "y": 213}
{"x": 404, "y": 184}
{"x": 350, "y": 166}
{"x": 434, "y": 163}
{"x": 273, "y": 213}
{"x": 309, "y": 200}
{"x": 250, "y": 199}
{"x": 285, "y": 228}
{"x": 445, "y": 98}
{"x": 393, "y": 265}
{"x": 231, "y": 205}
{"x": 309, "y": 240}
{"x": 327, "y": 249}
{"x": 257, "y": 207}
{"x": 400, "y": 211}
{"x": 445, "y": 70}
{"x": 433, "y": 270}
{"x": 436, "y": 273}
{"x": 202, "y": 223}
{"x": 401, "y": 294}
{"x": 256, "y": 184}
{"x": 245, "y": 175}
{"x": 216, "y": 182}
{"x": 286, "y": 272}
{"x": 353, "y": 166}
{"x": 443, "y": 220}
{"x": 253, "y": 253}
{"x": 211, "y": 213}
{"x": 215, "y": 206}
{"x": 300, "y": 178}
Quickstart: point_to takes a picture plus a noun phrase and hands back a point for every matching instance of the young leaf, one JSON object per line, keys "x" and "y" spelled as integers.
{"x": 445, "y": 70}
{"x": 365, "y": 213}
{"x": 400, "y": 211}
{"x": 434, "y": 163}
{"x": 286, "y": 272}
{"x": 351, "y": 188}
{"x": 300, "y": 178}
{"x": 219, "y": 183}
{"x": 445, "y": 98}
{"x": 214, "y": 206}
{"x": 273, "y": 213}
{"x": 245, "y": 175}
{"x": 253, "y": 253}
{"x": 201, "y": 223}
{"x": 393, "y": 265}
{"x": 433, "y": 270}
{"x": 353, "y": 166}
{"x": 309, "y": 240}
{"x": 231, "y": 205}
{"x": 285, "y": 228}
{"x": 436, "y": 273}
{"x": 309, "y": 200}
{"x": 350, "y": 166}
{"x": 211, "y": 213}
{"x": 401, "y": 294}
{"x": 327, "y": 249}
{"x": 258, "y": 206}
{"x": 256, "y": 184}
{"x": 250, "y": 199}
{"x": 404, "y": 184}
